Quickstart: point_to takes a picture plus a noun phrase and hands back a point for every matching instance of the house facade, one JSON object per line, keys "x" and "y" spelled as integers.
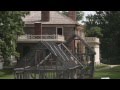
{"x": 47, "y": 26}
{"x": 52, "y": 26}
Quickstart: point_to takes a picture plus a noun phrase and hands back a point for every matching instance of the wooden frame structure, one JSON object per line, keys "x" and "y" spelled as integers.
{"x": 48, "y": 60}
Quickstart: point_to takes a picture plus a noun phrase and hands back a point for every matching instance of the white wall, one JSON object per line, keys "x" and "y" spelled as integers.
{"x": 97, "y": 56}
{"x": 94, "y": 43}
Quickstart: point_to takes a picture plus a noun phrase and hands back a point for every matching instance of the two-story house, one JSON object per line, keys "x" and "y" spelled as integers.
{"x": 53, "y": 44}
{"x": 48, "y": 26}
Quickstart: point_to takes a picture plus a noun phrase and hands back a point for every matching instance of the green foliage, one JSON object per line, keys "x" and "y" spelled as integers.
{"x": 11, "y": 26}
{"x": 111, "y": 61}
{"x": 109, "y": 22}
{"x": 94, "y": 32}
{"x": 79, "y": 14}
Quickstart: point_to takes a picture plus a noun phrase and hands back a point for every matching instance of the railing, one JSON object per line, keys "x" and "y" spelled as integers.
{"x": 86, "y": 56}
{"x": 44, "y": 72}
{"x": 68, "y": 52}
{"x": 41, "y": 37}
{"x": 92, "y": 39}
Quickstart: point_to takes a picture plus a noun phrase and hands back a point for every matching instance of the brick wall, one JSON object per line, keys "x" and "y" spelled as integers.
{"x": 67, "y": 31}
{"x": 29, "y": 30}
{"x": 37, "y": 28}
{"x": 72, "y": 15}
{"x": 48, "y": 30}
{"x": 45, "y": 15}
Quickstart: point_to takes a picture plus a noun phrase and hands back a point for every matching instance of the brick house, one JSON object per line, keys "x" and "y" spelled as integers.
{"x": 50, "y": 26}
{"x": 53, "y": 44}
{"x": 54, "y": 26}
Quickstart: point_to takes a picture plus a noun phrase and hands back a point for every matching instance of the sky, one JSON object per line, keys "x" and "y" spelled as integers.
{"x": 87, "y": 13}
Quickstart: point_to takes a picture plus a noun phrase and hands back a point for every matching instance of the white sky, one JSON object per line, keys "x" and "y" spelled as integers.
{"x": 87, "y": 13}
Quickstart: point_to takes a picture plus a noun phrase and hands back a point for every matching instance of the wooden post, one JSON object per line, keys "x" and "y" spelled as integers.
{"x": 92, "y": 66}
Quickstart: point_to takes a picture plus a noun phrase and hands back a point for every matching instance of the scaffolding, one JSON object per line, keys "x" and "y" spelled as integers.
{"x": 49, "y": 60}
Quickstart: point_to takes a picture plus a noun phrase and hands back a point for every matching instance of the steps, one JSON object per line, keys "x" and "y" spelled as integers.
{"x": 70, "y": 65}
{"x": 62, "y": 52}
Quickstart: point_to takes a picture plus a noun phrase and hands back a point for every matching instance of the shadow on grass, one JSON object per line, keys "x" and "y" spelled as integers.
{"x": 6, "y": 74}
{"x": 113, "y": 73}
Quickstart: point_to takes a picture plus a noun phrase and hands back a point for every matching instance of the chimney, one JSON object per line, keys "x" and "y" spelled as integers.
{"x": 45, "y": 15}
{"x": 37, "y": 28}
{"x": 72, "y": 15}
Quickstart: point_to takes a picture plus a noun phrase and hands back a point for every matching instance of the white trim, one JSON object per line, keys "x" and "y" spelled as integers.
{"x": 34, "y": 38}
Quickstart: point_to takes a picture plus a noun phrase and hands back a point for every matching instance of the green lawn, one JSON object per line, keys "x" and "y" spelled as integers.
{"x": 101, "y": 66}
{"x": 113, "y": 73}
{"x": 6, "y": 74}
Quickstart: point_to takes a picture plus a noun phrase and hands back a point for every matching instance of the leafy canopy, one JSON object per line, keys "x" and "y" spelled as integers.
{"x": 109, "y": 22}
{"x": 11, "y": 26}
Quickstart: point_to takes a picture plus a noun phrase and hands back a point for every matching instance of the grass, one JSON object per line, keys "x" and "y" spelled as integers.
{"x": 113, "y": 73}
{"x": 6, "y": 74}
{"x": 100, "y": 66}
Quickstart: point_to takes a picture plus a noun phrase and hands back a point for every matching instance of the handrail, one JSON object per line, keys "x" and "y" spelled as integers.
{"x": 93, "y": 52}
{"x": 92, "y": 39}
{"x": 72, "y": 55}
{"x": 64, "y": 53}
{"x": 83, "y": 42}
{"x": 45, "y": 59}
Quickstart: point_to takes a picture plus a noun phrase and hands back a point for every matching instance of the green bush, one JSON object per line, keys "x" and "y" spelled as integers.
{"x": 112, "y": 61}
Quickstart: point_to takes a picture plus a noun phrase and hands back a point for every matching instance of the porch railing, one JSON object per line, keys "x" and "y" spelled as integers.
{"x": 41, "y": 37}
{"x": 92, "y": 40}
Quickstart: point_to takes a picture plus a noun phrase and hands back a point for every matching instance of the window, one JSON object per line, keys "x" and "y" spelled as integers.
{"x": 60, "y": 31}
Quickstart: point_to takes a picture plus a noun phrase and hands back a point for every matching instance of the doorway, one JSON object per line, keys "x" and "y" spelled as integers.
{"x": 59, "y": 31}
{"x": 26, "y": 49}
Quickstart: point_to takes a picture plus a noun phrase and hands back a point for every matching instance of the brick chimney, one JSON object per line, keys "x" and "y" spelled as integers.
{"x": 72, "y": 15}
{"x": 45, "y": 15}
{"x": 37, "y": 28}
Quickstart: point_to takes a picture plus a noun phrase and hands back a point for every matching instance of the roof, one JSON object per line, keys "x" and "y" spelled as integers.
{"x": 55, "y": 18}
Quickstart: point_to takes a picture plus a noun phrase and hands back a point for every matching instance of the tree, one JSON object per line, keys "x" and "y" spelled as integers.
{"x": 94, "y": 32}
{"x": 11, "y": 26}
{"x": 80, "y": 14}
{"x": 109, "y": 22}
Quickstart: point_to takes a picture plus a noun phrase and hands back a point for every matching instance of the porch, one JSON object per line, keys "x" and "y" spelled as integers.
{"x": 36, "y": 38}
